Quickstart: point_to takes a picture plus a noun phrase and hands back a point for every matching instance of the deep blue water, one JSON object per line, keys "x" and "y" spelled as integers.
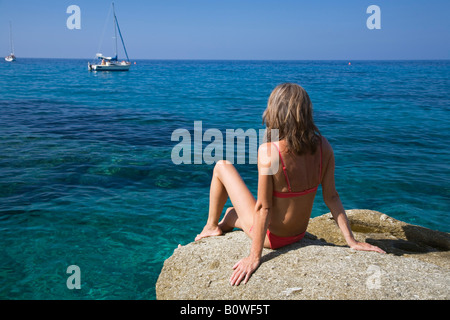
{"x": 87, "y": 179}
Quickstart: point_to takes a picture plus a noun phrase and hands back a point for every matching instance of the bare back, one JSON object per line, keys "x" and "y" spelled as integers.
{"x": 302, "y": 174}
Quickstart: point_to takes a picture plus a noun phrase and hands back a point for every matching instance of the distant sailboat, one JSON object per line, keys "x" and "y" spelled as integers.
{"x": 112, "y": 63}
{"x": 11, "y": 57}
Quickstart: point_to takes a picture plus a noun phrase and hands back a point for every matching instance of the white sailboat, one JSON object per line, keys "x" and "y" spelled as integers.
{"x": 112, "y": 63}
{"x": 11, "y": 57}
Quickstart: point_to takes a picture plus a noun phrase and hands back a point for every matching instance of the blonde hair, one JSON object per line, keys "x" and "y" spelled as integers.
{"x": 289, "y": 110}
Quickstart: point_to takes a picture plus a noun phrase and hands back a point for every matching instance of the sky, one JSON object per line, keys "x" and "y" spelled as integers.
{"x": 230, "y": 29}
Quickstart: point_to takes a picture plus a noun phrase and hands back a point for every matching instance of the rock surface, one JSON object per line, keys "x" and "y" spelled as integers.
{"x": 416, "y": 266}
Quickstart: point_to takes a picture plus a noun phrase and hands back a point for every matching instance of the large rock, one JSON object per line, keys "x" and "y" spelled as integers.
{"x": 393, "y": 236}
{"x": 318, "y": 267}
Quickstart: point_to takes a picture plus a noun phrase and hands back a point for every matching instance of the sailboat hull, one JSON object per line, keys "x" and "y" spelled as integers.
{"x": 10, "y": 58}
{"x": 112, "y": 67}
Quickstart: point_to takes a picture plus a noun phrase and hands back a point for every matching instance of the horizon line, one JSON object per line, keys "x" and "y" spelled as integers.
{"x": 228, "y": 59}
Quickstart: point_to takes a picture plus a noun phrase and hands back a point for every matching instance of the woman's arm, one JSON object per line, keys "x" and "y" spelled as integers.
{"x": 333, "y": 202}
{"x": 245, "y": 267}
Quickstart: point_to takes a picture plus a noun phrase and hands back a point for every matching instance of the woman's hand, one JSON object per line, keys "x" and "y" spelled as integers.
{"x": 243, "y": 270}
{"x": 363, "y": 246}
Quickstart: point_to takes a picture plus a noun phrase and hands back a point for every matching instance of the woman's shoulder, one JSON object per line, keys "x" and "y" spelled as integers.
{"x": 267, "y": 149}
{"x": 326, "y": 147}
{"x": 267, "y": 153}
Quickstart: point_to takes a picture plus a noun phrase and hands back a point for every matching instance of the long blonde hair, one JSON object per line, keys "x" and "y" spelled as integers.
{"x": 289, "y": 110}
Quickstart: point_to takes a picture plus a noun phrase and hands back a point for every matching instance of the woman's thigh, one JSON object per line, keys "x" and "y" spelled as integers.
{"x": 239, "y": 194}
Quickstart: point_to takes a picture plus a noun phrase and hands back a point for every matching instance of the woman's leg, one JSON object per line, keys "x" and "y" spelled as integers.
{"x": 226, "y": 182}
{"x": 229, "y": 221}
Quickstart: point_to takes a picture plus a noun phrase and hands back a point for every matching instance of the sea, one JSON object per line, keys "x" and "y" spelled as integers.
{"x": 87, "y": 170}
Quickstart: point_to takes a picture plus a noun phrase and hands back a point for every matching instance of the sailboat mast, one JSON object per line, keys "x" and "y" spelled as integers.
{"x": 11, "y": 38}
{"x": 115, "y": 28}
{"x": 120, "y": 34}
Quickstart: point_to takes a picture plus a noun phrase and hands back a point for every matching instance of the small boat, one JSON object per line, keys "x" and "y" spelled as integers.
{"x": 112, "y": 63}
{"x": 11, "y": 57}
{"x": 109, "y": 64}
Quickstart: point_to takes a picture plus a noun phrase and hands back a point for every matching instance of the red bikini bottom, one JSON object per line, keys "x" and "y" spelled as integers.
{"x": 278, "y": 242}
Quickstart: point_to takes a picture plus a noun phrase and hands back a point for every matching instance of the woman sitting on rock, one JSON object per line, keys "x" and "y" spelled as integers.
{"x": 302, "y": 159}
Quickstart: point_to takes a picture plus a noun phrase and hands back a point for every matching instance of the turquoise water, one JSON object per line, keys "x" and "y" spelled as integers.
{"x": 86, "y": 176}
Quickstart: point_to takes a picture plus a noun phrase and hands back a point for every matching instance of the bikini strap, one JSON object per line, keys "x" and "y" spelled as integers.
{"x": 284, "y": 168}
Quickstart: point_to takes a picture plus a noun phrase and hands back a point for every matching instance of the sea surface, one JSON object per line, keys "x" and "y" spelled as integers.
{"x": 86, "y": 170}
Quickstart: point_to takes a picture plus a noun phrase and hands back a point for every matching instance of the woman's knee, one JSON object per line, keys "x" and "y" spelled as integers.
{"x": 229, "y": 209}
{"x": 221, "y": 165}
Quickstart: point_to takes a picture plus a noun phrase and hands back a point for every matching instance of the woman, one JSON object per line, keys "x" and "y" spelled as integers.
{"x": 281, "y": 213}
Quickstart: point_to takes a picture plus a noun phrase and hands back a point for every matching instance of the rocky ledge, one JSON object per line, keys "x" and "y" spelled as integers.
{"x": 321, "y": 266}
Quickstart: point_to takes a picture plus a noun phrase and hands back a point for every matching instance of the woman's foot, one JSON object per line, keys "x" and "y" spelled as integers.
{"x": 209, "y": 231}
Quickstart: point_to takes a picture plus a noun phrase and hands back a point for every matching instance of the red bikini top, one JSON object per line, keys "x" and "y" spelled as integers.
{"x": 291, "y": 194}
